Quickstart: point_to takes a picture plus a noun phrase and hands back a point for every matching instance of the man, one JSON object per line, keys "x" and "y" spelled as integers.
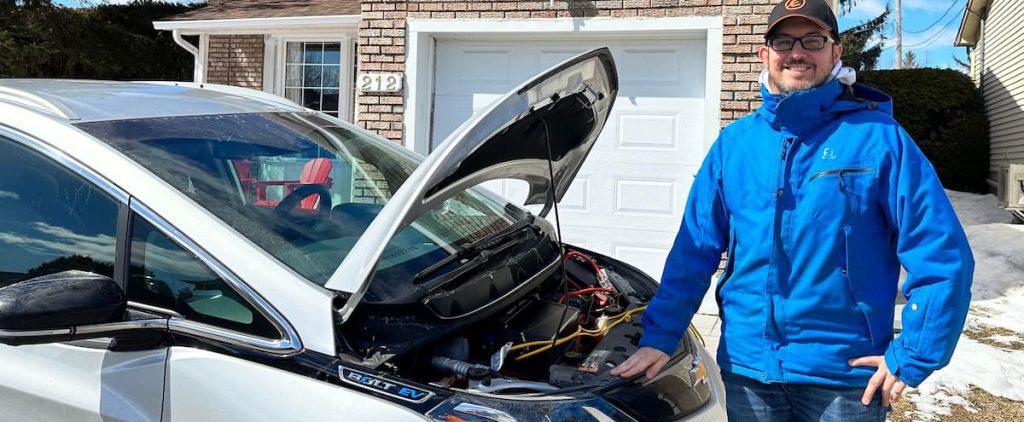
{"x": 819, "y": 197}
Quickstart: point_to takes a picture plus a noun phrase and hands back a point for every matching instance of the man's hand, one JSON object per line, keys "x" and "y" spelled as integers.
{"x": 892, "y": 387}
{"x": 646, "y": 359}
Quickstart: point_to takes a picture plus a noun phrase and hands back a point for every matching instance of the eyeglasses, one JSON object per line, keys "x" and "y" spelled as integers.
{"x": 810, "y": 42}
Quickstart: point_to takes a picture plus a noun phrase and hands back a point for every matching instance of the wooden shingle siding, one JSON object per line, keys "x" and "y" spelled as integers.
{"x": 383, "y": 30}
{"x": 1003, "y": 82}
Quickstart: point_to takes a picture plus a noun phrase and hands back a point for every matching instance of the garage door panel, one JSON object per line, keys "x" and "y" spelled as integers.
{"x": 490, "y": 68}
{"x": 645, "y": 196}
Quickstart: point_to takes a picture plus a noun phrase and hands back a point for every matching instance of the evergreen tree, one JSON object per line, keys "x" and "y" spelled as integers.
{"x": 910, "y": 61}
{"x": 857, "y": 53}
{"x": 116, "y": 41}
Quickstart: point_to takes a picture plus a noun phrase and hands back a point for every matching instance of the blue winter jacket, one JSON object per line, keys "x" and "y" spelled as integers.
{"x": 819, "y": 197}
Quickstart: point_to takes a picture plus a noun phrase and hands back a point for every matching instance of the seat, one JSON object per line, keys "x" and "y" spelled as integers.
{"x": 315, "y": 172}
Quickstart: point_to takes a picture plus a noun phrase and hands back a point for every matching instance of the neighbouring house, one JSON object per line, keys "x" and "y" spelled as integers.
{"x": 992, "y": 30}
{"x": 414, "y": 70}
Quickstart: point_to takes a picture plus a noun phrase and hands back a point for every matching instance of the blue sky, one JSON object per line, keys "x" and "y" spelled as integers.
{"x": 933, "y": 47}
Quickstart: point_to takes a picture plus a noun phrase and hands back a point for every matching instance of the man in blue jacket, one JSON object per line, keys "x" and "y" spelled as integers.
{"x": 819, "y": 197}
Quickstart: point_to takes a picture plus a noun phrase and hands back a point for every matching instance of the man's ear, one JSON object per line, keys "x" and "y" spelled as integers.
{"x": 762, "y": 53}
{"x": 837, "y": 52}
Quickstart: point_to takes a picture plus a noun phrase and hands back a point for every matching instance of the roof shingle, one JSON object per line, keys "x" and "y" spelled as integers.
{"x": 250, "y": 9}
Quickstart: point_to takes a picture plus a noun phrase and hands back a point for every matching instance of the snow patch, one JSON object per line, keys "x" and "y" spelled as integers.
{"x": 997, "y": 302}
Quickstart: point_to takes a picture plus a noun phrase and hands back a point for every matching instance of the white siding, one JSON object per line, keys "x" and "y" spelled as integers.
{"x": 1003, "y": 82}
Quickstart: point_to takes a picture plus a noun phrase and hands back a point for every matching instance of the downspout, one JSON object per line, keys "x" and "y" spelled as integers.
{"x": 198, "y": 73}
{"x": 980, "y": 53}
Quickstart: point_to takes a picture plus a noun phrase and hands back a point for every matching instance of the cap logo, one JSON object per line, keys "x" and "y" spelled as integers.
{"x": 795, "y": 4}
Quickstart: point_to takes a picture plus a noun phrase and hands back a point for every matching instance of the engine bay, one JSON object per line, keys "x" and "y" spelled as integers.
{"x": 561, "y": 332}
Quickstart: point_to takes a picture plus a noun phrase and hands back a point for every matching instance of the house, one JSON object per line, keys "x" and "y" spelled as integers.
{"x": 414, "y": 70}
{"x": 992, "y": 30}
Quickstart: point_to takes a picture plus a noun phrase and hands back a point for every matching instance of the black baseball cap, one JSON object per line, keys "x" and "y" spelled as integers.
{"x": 817, "y": 11}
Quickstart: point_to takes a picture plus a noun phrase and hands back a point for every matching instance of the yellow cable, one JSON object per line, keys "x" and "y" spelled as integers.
{"x": 579, "y": 332}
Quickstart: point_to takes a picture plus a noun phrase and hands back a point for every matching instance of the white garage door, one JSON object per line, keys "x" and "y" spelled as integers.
{"x": 628, "y": 198}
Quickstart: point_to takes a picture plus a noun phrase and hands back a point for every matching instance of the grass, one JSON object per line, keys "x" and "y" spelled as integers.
{"x": 996, "y": 337}
{"x": 986, "y": 408}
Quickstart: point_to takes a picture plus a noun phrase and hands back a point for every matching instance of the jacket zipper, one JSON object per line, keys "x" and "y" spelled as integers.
{"x": 840, "y": 172}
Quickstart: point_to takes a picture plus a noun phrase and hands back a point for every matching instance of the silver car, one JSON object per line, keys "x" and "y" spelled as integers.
{"x": 174, "y": 251}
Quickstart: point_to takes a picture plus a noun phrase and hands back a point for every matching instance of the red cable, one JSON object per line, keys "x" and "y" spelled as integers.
{"x": 585, "y": 291}
{"x": 584, "y": 258}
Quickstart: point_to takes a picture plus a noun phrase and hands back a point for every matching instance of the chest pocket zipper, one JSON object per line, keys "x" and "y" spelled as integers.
{"x": 840, "y": 173}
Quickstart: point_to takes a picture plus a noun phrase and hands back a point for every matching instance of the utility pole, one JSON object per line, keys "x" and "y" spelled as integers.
{"x": 899, "y": 35}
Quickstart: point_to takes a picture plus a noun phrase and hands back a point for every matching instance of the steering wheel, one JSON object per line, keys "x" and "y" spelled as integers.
{"x": 284, "y": 208}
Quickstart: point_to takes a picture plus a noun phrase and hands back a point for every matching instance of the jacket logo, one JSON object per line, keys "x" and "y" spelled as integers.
{"x": 828, "y": 154}
{"x": 795, "y": 4}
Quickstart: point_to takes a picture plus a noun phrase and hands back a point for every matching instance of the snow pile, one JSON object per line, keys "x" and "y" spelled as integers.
{"x": 994, "y": 361}
{"x": 974, "y": 209}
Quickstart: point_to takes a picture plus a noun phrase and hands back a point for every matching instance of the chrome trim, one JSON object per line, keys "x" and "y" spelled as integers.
{"x": 35, "y": 333}
{"x": 156, "y": 309}
{"x": 61, "y": 158}
{"x": 141, "y": 324}
{"x": 280, "y": 347}
{"x": 543, "y": 272}
{"x": 484, "y": 412}
{"x": 289, "y": 345}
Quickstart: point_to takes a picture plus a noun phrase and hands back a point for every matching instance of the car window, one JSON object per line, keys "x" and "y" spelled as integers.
{"x": 51, "y": 219}
{"x": 164, "y": 275}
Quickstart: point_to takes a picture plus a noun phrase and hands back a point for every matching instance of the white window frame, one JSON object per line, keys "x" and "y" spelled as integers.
{"x": 274, "y": 67}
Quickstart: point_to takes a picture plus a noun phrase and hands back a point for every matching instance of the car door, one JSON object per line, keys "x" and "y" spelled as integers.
{"x": 52, "y": 220}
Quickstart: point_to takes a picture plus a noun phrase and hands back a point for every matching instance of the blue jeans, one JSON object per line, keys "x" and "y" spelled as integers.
{"x": 747, "y": 399}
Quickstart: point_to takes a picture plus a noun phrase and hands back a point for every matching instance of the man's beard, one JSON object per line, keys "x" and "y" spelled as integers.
{"x": 781, "y": 88}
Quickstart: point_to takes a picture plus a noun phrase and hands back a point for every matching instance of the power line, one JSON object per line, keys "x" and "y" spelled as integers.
{"x": 936, "y": 21}
{"x": 935, "y": 37}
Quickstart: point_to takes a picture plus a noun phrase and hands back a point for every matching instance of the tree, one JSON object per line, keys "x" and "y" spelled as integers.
{"x": 116, "y": 41}
{"x": 857, "y": 53}
{"x": 910, "y": 61}
{"x": 963, "y": 66}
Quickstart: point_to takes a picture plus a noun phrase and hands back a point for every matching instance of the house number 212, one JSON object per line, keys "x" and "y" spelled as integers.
{"x": 380, "y": 82}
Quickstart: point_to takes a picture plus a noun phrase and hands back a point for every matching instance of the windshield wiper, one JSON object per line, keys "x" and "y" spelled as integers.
{"x": 486, "y": 243}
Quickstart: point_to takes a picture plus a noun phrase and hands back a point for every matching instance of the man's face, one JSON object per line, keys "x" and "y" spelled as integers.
{"x": 799, "y": 69}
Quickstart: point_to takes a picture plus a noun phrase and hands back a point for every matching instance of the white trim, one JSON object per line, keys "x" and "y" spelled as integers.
{"x": 257, "y": 25}
{"x": 422, "y": 36}
{"x": 712, "y": 87}
{"x": 204, "y": 56}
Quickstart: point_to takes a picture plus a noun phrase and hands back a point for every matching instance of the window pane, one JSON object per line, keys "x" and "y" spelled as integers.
{"x": 332, "y": 54}
{"x": 311, "y": 98}
{"x": 164, "y": 275}
{"x": 313, "y": 76}
{"x": 330, "y": 101}
{"x": 331, "y": 76}
{"x": 294, "y": 94}
{"x": 52, "y": 219}
{"x": 293, "y": 76}
{"x": 314, "y": 53}
{"x": 294, "y": 52}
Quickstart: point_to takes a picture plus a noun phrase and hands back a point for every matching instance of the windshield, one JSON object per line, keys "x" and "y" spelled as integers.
{"x": 304, "y": 188}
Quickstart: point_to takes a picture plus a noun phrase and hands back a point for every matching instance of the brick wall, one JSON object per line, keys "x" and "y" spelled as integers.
{"x": 235, "y": 60}
{"x": 382, "y": 41}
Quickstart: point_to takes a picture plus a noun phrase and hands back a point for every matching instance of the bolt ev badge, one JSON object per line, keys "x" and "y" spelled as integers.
{"x": 380, "y": 385}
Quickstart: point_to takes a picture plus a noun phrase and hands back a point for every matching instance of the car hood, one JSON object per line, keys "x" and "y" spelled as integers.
{"x": 567, "y": 104}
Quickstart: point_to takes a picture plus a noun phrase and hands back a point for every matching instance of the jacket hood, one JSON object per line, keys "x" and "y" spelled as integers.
{"x": 801, "y": 112}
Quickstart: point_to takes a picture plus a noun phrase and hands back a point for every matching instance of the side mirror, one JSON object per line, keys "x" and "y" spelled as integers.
{"x": 50, "y": 308}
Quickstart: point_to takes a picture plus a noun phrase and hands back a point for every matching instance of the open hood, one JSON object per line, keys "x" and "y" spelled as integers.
{"x": 567, "y": 105}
